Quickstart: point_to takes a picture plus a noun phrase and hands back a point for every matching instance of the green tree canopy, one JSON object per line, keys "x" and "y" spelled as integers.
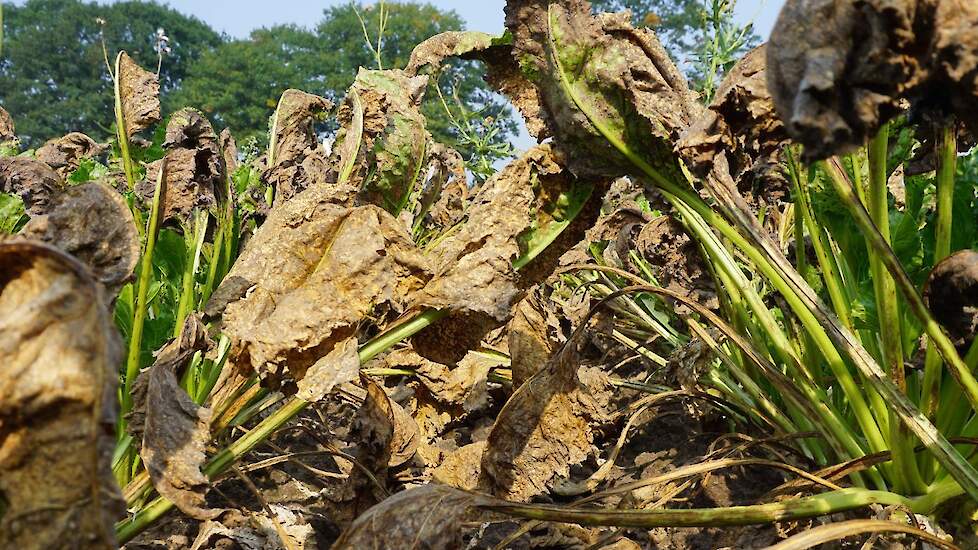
{"x": 53, "y": 78}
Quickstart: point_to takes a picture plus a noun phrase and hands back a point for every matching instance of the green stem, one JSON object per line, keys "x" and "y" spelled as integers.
{"x": 121, "y": 135}
{"x": 195, "y": 245}
{"x": 142, "y": 291}
{"x": 908, "y": 480}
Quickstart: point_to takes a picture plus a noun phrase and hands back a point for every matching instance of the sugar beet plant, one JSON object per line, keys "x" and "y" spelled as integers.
{"x": 857, "y": 351}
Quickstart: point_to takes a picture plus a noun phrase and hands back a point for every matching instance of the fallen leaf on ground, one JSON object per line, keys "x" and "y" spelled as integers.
{"x": 60, "y": 354}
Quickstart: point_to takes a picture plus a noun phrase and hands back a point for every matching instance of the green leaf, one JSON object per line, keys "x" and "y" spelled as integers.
{"x": 12, "y": 215}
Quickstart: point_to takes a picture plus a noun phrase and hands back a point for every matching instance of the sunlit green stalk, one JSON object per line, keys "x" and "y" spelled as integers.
{"x": 908, "y": 480}
{"x": 195, "y": 244}
{"x": 142, "y": 292}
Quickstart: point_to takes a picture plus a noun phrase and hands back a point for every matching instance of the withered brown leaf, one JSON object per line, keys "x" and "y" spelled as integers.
{"x": 59, "y": 351}
{"x": 174, "y": 430}
{"x": 194, "y": 167}
{"x": 547, "y": 426}
{"x": 298, "y": 160}
{"x": 139, "y": 91}
{"x": 7, "y": 132}
{"x": 951, "y": 293}
{"x": 65, "y": 153}
{"x": 93, "y": 223}
{"x": 309, "y": 276}
{"x": 431, "y": 516}
{"x": 32, "y": 180}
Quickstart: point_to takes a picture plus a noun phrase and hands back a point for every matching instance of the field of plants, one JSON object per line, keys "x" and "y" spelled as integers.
{"x": 739, "y": 317}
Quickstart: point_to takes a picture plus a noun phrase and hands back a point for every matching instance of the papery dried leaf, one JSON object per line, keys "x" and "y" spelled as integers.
{"x": 176, "y": 430}
{"x": 309, "y": 276}
{"x": 446, "y": 191}
{"x": 676, "y": 261}
{"x": 59, "y": 351}
{"x": 139, "y": 91}
{"x": 951, "y": 294}
{"x": 462, "y": 384}
{"x": 93, "y": 223}
{"x": 547, "y": 426}
{"x": 382, "y": 140}
{"x": 462, "y": 468}
{"x": 298, "y": 159}
{"x": 65, "y": 153}
{"x": 839, "y": 70}
{"x": 341, "y": 364}
{"x": 32, "y": 180}
{"x": 474, "y": 274}
{"x": 7, "y": 132}
{"x": 229, "y": 151}
{"x": 194, "y": 174}
{"x": 534, "y": 334}
{"x": 742, "y": 124}
{"x": 599, "y": 80}
{"x": 430, "y": 516}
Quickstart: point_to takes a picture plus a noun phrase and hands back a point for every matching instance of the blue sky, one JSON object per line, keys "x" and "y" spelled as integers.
{"x": 239, "y": 17}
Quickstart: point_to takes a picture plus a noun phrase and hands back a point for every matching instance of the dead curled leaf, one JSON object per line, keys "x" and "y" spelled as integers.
{"x": 677, "y": 261}
{"x": 7, "y": 132}
{"x": 445, "y": 193}
{"x": 59, "y": 352}
{"x": 139, "y": 92}
{"x": 174, "y": 430}
{"x": 93, "y": 223}
{"x": 298, "y": 159}
{"x": 951, "y": 293}
{"x": 474, "y": 276}
{"x": 462, "y": 384}
{"x": 32, "y": 180}
{"x": 547, "y": 426}
{"x": 382, "y": 141}
{"x": 742, "y": 125}
{"x": 839, "y": 70}
{"x": 533, "y": 336}
{"x": 65, "y": 153}
{"x": 596, "y": 75}
{"x": 307, "y": 279}
{"x": 194, "y": 167}
{"x": 431, "y": 516}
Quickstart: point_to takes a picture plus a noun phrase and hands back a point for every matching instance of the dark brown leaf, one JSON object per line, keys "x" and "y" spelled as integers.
{"x": 533, "y": 336}
{"x": 32, "y": 180}
{"x": 430, "y": 517}
{"x": 176, "y": 430}
{"x": 93, "y": 223}
{"x": 64, "y": 153}
{"x": 742, "y": 125}
{"x": 951, "y": 293}
{"x": 59, "y": 351}
{"x": 194, "y": 167}
{"x": 547, "y": 426}
{"x": 139, "y": 91}
{"x": 7, "y": 132}
{"x": 297, "y": 159}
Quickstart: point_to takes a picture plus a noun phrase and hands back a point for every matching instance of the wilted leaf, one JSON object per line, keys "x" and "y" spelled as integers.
{"x": 174, "y": 430}
{"x": 742, "y": 126}
{"x": 474, "y": 269}
{"x": 533, "y": 336}
{"x": 7, "y": 132}
{"x": 32, "y": 180}
{"x": 390, "y": 144}
{"x": 430, "y": 516}
{"x": 840, "y": 70}
{"x": 93, "y": 223}
{"x": 194, "y": 167}
{"x": 951, "y": 293}
{"x": 462, "y": 384}
{"x": 676, "y": 261}
{"x": 312, "y": 272}
{"x": 599, "y": 80}
{"x": 341, "y": 364}
{"x": 139, "y": 92}
{"x": 229, "y": 151}
{"x": 65, "y": 153}
{"x": 462, "y": 468}
{"x": 297, "y": 160}
{"x": 59, "y": 352}
{"x": 445, "y": 193}
{"x": 547, "y": 426}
